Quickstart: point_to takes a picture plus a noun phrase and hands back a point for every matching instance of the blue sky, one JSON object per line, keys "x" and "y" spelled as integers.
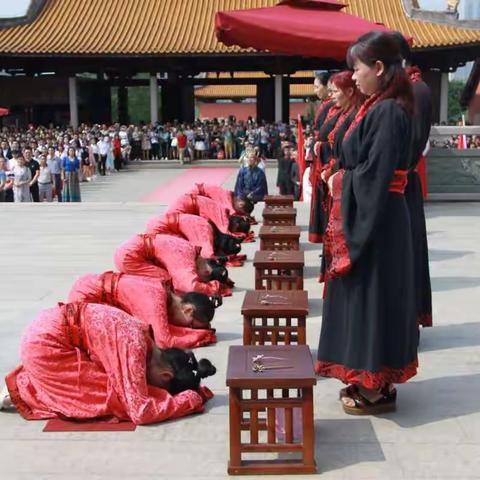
{"x": 13, "y": 8}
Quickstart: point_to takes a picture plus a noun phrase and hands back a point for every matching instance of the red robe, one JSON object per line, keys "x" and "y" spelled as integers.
{"x": 144, "y": 298}
{"x": 218, "y": 194}
{"x": 197, "y": 230}
{"x": 165, "y": 257}
{"x": 84, "y": 361}
{"x": 203, "y": 207}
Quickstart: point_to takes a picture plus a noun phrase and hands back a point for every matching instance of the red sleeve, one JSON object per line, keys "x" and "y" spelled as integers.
{"x": 120, "y": 343}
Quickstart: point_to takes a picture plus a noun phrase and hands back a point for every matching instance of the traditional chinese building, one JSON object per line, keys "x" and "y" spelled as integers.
{"x": 63, "y": 57}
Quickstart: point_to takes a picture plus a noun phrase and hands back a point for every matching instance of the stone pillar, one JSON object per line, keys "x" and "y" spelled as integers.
{"x": 444, "y": 98}
{"x": 278, "y": 79}
{"x": 178, "y": 101}
{"x": 72, "y": 97}
{"x": 434, "y": 81}
{"x": 153, "y": 99}
{"x": 266, "y": 101}
{"x": 286, "y": 100}
{"x": 123, "y": 104}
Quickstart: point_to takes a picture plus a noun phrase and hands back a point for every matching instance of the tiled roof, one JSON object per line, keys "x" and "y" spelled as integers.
{"x": 246, "y": 91}
{"x": 160, "y": 27}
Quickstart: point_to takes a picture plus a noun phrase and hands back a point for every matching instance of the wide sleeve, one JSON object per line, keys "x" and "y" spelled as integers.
{"x": 240, "y": 184}
{"x": 182, "y": 337}
{"x": 184, "y": 275}
{"x": 157, "y": 225}
{"x": 122, "y": 350}
{"x": 365, "y": 188}
{"x": 261, "y": 188}
{"x": 199, "y": 232}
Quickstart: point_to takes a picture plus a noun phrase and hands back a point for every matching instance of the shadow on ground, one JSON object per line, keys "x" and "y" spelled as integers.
{"x": 436, "y": 399}
{"x": 445, "y": 337}
{"x": 333, "y": 439}
{"x": 445, "y": 284}
{"x": 440, "y": 255}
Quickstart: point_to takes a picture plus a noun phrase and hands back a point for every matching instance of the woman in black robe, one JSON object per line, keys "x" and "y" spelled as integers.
{"x": 322, "y": 154}
{"x": 413, "y": 193}
{"x": 320, "y": 86}
{"x": 369, "y": 332}
{"x": 347, "y": 98}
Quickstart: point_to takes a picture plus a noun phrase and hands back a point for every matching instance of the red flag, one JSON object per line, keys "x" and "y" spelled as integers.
{"x": 301, "y": 154}
{"x": 462, "y": 139}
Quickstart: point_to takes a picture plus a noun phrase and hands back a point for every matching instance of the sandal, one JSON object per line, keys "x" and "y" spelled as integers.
{"x": 385, "y": 404}
{"x": 347, "y": 391}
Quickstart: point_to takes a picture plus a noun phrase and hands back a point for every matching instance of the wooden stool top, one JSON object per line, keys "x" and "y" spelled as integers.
{"x": 276, "y": 231}
{"x": 279, "y": 199}
{"x": 265, "y": 302}
{"x": 296, "y": 358}
{"x": 281, "y": 259}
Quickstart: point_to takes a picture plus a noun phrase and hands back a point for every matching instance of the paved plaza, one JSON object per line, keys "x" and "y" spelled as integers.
{"x": 435, "y": 434}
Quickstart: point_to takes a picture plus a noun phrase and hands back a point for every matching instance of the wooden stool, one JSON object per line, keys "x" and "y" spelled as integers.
{"x": 271, "y": 410}
{"x": 279, "y": 215}
{"x": 274, "y": 317}
{"x": 286, "y": 200}
{"x": 279, "y": 238}
{"x": 279, "y": 270}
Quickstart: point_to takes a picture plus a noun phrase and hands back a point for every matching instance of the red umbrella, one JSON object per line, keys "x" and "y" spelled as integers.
{"x": 311, "y": 28}
{"x": 4, "y": 112}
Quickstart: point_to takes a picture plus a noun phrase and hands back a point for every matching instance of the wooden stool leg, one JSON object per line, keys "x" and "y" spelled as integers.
{"x": 301, "y": 331}
{"x": 235, "y": 429}
{"x": 308, "y": 428}
{"x": 247, "y": 330}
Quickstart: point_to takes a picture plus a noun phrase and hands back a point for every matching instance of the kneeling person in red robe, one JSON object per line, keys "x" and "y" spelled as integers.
{"x": 177, "y": 321}
{"x": 167, "y": 257}
{"x": 86, "y": 361}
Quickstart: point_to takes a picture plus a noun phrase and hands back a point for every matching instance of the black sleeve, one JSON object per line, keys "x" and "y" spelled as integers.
{"x": 422, "y": 119}
{"x": 385, "y": 140}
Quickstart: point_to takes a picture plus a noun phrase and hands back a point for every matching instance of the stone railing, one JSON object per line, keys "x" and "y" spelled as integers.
{"x": 452, "y": 173}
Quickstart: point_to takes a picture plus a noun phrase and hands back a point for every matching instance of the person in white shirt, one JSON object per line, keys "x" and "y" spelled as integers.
{"x": 45, "y": 180}
{"x": 103, "y": 151}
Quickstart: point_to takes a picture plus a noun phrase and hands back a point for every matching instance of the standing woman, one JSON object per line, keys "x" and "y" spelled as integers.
{"x": 325, "y": 122}
{"x": 347, "y": 98}
{"x": 21, "y": 181}
{"x": 369, "y": 335}
{"x": 71, "y": 177}
{"x": 413, "y": 192}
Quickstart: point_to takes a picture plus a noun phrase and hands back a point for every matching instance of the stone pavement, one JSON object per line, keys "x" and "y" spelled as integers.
{"x": 434, "y": 435}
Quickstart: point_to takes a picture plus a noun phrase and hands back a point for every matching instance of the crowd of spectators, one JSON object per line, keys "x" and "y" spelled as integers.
{"x": 472, "y": 142}
{"x": 45, "y": 160}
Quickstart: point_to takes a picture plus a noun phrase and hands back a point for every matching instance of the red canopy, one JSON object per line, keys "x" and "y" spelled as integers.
{"x": 4, "y": 112}
{"x": 310, "y": 28}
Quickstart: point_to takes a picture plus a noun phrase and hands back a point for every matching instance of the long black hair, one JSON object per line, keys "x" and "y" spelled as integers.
{"x": 381, "y": 46}
{"x": 405, "y": 50}
{"x": 188, "y": 373}
{"x": 323, "y": 77}
{"x": 227, "y": 244}
{"x": 219, "y": 271}
{"x": 238, "y": 224}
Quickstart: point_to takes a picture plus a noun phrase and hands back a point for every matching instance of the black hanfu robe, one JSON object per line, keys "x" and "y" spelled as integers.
{"x": 369, "y": 334}
{"x": 317, "y": 208}
{"x": 414, "y": 197}
{"x": 333, "y": 165}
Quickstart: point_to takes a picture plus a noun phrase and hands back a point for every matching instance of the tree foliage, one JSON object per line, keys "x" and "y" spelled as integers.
{"x": 455, "y": 110}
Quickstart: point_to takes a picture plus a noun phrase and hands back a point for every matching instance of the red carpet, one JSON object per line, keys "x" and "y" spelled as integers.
{"x": 58, "y": 425}
{"x": 186, "y": 180}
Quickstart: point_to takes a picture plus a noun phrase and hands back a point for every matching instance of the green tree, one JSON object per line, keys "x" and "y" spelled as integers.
{"x": 455, "y": 110}
{"x": 138, "y": 104}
